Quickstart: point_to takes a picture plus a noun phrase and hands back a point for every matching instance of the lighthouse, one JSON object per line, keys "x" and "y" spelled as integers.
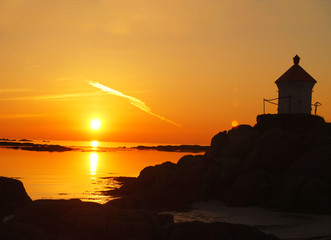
{"x": 295, "y": 89}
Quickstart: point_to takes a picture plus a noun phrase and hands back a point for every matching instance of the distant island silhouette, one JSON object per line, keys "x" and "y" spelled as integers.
{"x": 28, "y": 145}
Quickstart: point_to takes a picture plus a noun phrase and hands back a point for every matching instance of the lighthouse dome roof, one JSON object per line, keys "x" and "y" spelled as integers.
{"x": 295, "y": 74}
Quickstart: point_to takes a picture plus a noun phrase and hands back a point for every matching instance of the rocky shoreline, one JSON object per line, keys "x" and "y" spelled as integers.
{"x": 22, "y": 218}
{"x": 287, "y": 166}
{"x": 282, "y": 162}
{"x": 175, "y": 148}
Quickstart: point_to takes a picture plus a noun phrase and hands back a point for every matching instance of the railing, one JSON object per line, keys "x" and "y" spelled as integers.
{"x": 316, "y": 104}
{"x": 273, "y": 99}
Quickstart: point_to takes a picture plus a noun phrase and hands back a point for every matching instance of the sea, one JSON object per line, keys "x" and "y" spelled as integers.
{"x": 90, "y": 170}
{"x": 87, "y": 172}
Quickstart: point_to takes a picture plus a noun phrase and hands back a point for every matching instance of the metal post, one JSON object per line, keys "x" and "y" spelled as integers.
{"x": 263, "y": 106}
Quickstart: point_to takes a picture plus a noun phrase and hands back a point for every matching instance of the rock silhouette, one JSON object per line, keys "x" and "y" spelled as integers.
{"x": 76, "y": 220}
{"x": 29, "y": 146}
{"x": 12, "y": 196}
{"x": 279, "y": 163}
{"x": 283, "y": 162}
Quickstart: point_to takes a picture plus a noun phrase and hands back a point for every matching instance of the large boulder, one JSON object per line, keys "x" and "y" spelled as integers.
{"x": 165, "y": 186}
{"x": 12, "y": 196}
{"x": 306, "y": 187}
{"x": 314, "y": 164}
{"x": 274, "y": 152}
{"x": 268, "y": 165}
{"x": 113, "y": 224}
{"x": 21, "y": 231}
{"x": 240, "y": 141}
{"x": 75, "y": 220}
{"x": 217, "y": 143}
{"x": 155, "y": 177}
{"x": 253, "y": 188}
{"x": 46, "y": 214}
{"x": 217, "y": 230}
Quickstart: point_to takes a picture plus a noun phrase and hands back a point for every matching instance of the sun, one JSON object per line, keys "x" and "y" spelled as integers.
{"x": 235, "y": 123}
{"x": 94, "y": 144}
{"x": 95, "y": 124}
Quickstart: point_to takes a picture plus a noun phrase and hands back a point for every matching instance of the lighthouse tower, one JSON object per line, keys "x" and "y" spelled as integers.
{"x": 295, "y": 88}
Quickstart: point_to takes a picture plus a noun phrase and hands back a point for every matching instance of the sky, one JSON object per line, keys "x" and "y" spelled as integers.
{"x": 174, "y": 71}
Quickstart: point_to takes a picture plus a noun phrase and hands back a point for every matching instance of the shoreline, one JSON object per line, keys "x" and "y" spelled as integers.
{"x": 285, "y": 225}
{"x": 258, "y": 180}
{"x": 22, "y": 218}
{"x": 272, "y": 222}
{"x": 28, "y": 145}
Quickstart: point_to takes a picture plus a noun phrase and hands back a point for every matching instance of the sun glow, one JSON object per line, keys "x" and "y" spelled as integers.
{"x": 95, "y": 124}
{"x": 93, "y": 163}
{"x": 235, "y": 123}
{"x": 94, "y": 144}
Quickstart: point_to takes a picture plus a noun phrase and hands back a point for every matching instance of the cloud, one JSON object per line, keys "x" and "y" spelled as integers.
{"x": 134, "y": 101}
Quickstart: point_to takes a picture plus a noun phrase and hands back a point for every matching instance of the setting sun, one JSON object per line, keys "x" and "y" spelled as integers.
{"x": 95, "y": 124}
{"x": 94, "y": 144}
{"x": 158, "y": 105}
{"x": 234, "y": 123}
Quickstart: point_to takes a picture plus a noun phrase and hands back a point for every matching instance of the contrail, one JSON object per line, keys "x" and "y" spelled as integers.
{"x": 134, "y": 101}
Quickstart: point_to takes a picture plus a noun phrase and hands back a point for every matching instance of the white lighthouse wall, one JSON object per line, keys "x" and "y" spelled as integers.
{"x": 294, "y": 97}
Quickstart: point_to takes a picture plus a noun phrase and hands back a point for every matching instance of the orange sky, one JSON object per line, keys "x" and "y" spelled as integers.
{"x": 199, "y": 64}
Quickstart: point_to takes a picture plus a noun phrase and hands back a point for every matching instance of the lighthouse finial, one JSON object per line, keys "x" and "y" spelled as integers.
{"x": 296, "y": 59}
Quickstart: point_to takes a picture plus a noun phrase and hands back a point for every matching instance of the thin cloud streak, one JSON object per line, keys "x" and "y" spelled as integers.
{"x": 134, "y": 101}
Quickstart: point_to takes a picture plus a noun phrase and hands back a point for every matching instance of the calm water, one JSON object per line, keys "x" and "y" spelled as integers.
{"x": 77, "y": 174}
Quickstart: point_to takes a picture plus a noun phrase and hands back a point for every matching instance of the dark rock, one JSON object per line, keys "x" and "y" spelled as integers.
{"x": 290, "y": 122}
{"x": 166, "y": 186}
{"x": 113, "y": 224}
{"x": 12, "y": 196}
{"x": 230, "y": 168}
{"x": 252, "y": 188}
{"x": 45, "y": 214}
{"x": 189, "y": 161}
{"x": 19, "y": 231}
{"x": 216, "y": 230}
{"x": 240, "y": 141}
{"x": 29, "y": 146}
{"x": 314, "y": 164}
{"x": 216, "y": 145}
{"x": 75, "y": 220}
{"x": 175, "y": 148}
{"x": 267, "y": 165}
{"x": 274, "y": 151}
{"x": 306, "y": 185}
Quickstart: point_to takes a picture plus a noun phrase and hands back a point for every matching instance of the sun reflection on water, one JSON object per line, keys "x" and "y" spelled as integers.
{"x": 94, "y": 144}
{"x": 93, "y": 163}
